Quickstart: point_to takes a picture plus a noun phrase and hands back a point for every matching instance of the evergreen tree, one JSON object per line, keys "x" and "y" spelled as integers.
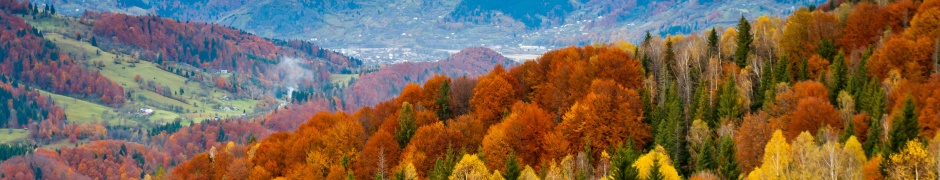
{"x": 406, "y": 125}
{"x": 443, "y": 167}
{"x": 767, "y": 82}
{"x": 655, "y": 174}
{"x": 94, "y": 42}
{"x": 646, "y": 60}
{"x": 670, "y": 130}
{"x": 704, "y": 110}
{"x": 668, "y": 116}
{"x": 874, "y": 144}
{"x": 622, "y": 162}
{"x": 827, "y": 49}
{"x": 706, "y": 158}
{"x": 782, "y": 70}
{"x": 745, "y": 38}
{"x": 872, "y": 99}
{"x": 512, "y": 167}
{"x": 221, "y": 136}
{"x": 669, "y": 57}
{"x": 123, "y": 150}
{"x": 727, "y": 162}
{"x": 443, "y": 102}
{"x": 713, "y": 42}
{"x": 857, "y": 81}
{"x": 839, "y": 71}
{"x": 648, "y": 107}
{"x": 728, "y": 99}
{"x": 904, "y": 126}
{"x": 848, "y": 131}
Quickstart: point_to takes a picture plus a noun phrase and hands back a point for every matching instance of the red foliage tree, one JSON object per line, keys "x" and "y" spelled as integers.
{"x": 29, "y": 58}
{"x": 810, "y": 115}
{"x": 863, "y": 26}
{"x": 912, "y": 58}
{"x": 521, "y": 133}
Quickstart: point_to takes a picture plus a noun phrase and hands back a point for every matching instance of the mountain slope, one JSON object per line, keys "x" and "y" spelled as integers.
{"x": 387, "y": 82}
{"x": 429, "y": 27}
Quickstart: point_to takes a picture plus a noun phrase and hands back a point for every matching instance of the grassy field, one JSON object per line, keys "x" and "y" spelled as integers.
{"x": 205, "y": 98}
{"x": 343, "y": 79}
{"x": 198, "y": 101}
{"x": 12, "y": 135}
{"x": 81, "y": 111}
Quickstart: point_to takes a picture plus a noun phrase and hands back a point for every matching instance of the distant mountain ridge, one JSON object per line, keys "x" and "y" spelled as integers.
{"x": 451, "y": 25}
{"x": 386, "y": 83}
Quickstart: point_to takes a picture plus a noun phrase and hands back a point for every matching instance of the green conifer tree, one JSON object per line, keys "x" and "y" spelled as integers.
{"x": 406, "y": 125}
{"x": 713, "y": 42}
{"x": 904, "y": 126}
{"x": 744, "y": 40}
{"x": 443, "y": 102}
{"x": 622, "y": 162}
{"x": 728, "y": 99}
{"x": 512, "y": 168}
{"x": 727, "y": 162}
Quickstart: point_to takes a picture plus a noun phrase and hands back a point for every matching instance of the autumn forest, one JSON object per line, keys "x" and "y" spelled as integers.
{"x": 849, "y": 89}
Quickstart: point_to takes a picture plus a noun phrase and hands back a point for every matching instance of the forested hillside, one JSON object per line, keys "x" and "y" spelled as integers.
{"x": 823, "y": 93}
{"x": 114, "y": 96}
{"x": 846, "y": 90}
{"x": 29, "y": 58}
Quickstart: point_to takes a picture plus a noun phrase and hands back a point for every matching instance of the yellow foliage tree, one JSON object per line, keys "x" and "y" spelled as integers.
{"x": 408, "y": 170}
{"x": 776, "y": 156}
{"x": 804, "y": 155}
{"x": 934, "y": 147}
{"x": 727, "y": 44}
{"x": 645, "y": 164}
{"x": 756, "y": 174}
{"x": 470, "y": 167}
{"x": 496, "y": 176}
{"x": 913, "y": 162}
{"x": 528, "y": 174}
{"x": 854, "y": 148}
{"x": 766, "y": 35}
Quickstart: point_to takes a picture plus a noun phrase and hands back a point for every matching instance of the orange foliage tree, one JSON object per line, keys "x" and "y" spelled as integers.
{"x": 492, "y": 97}
{"x": 380, "y": 153}
{"x": 816, "y": 66}
{"x": 911, "y": 57}
{"x": 788, "y": 100}
{"x": 327, "y": 138}
{"x": 863, "y": 26}
{"x": 810, "y": 115}
{"x": 925, "y": 24}
{"x": 926, "y": 96}
{"x": 804, "y": 32}
{"x": 429, "y": 143}
{"x": 562, "y": 77}
{"x": 749, "y": 140}
{"x": 610, "y": 115}
{"x": 521, "y": 134}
